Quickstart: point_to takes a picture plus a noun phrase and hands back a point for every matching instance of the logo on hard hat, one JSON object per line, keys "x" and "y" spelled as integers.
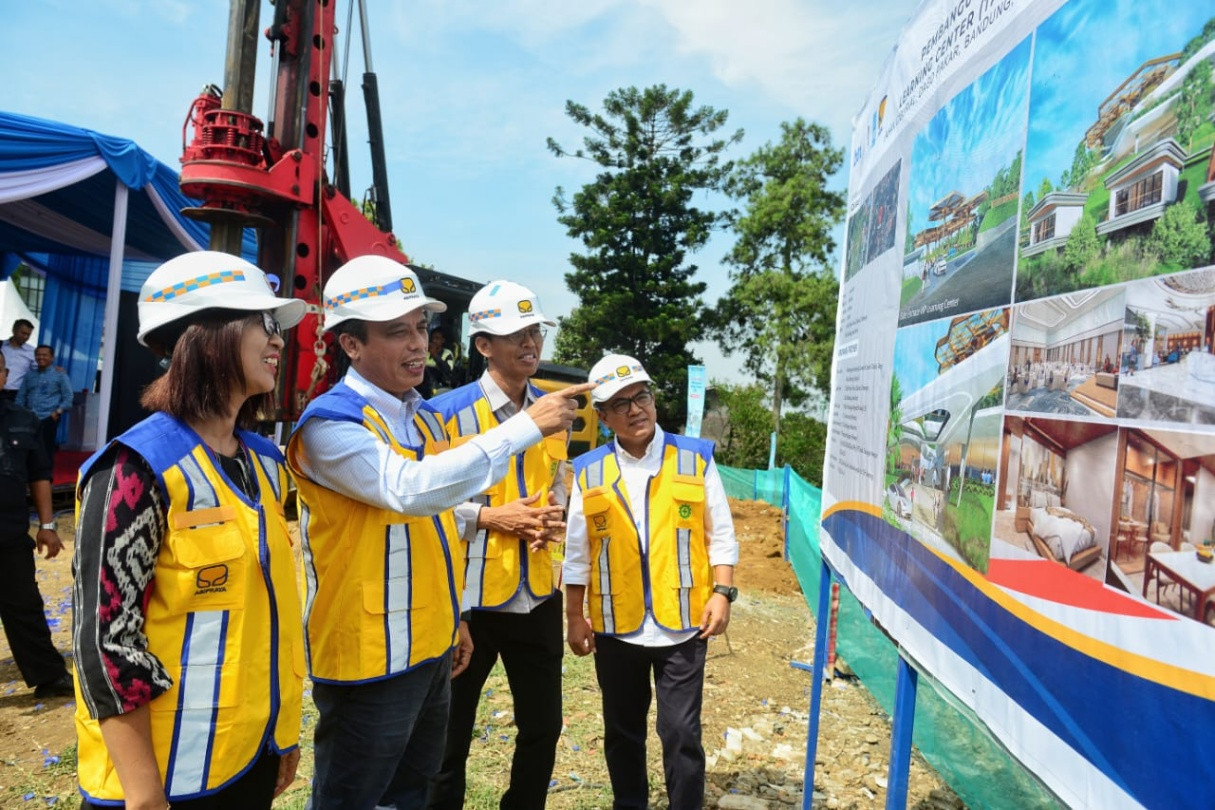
{"x": 623, "y": 371}
{"x": 525, "y": 307}
{"x": 407, "y": 286}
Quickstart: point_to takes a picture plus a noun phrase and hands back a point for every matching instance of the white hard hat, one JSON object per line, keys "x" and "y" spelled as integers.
{"x": 374, "y": 288}
{"x": 503, "y": 308}
{"x": 206, "y": 279}
{"x": 613, "y": 372}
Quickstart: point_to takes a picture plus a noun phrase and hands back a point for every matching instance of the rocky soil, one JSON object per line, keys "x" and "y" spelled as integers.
{"x": 755, "y": 715}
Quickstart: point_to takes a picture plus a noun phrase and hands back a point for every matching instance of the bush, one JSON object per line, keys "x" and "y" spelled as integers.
{"x": 801, "y": 443}
{"x": 1082, "y": 245}
{"x": 1180, "y": 237}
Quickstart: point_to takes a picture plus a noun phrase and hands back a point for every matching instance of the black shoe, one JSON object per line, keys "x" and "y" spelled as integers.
{"x": 60, "y": 687}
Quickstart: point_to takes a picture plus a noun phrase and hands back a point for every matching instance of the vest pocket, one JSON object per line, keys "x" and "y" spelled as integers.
{"x": 203, "y": 569}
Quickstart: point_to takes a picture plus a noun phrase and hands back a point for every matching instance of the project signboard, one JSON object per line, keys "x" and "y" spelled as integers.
{"x": 1020, "y": 476}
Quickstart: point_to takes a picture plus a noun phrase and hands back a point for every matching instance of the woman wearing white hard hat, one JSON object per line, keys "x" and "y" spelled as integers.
{"x": 653, "y": 601}
{"x": 186, "y": 620}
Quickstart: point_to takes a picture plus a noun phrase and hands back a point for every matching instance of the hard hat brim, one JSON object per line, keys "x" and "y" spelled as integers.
{"x": 388, "y": 309}
{"x": 287, "y": 311}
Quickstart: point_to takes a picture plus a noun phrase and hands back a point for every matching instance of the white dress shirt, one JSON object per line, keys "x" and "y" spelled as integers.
{"x": 348, "y": 458}
{"x": 468, "y": 512}
{"x": 635, "y": 474}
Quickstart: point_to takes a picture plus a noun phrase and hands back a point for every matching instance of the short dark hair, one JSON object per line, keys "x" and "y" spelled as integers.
{"x": 357, "y": 329}
{"x": 46, "y": 346}
{"x": 23, "y": 322}
{"x": 205, "y": 369}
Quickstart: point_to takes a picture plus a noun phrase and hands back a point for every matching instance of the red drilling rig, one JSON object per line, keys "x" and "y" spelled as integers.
{"x": 273, "y": 177}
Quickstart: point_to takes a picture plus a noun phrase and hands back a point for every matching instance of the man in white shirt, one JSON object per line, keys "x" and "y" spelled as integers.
{"x": 509, "y": 588}
{"x": 383, "y": 567}
{"x": 649, "y": 571}
{"x": 19, "y": 355}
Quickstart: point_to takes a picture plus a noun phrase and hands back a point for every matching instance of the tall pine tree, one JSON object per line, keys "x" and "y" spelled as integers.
{"x": 780, "y": 310}
{"x": 638, "y": 221}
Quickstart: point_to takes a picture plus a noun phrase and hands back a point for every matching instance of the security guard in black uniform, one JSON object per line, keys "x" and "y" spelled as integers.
{"x": 24, "y": 465}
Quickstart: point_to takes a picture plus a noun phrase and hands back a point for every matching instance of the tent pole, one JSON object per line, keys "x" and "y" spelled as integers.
{"x": 113, "y": 289}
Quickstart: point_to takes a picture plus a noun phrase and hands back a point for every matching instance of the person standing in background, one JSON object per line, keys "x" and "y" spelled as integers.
{"x": 48, "y": 393}
{"x": 19, "y": 356}
{"x": 24, "y": 468}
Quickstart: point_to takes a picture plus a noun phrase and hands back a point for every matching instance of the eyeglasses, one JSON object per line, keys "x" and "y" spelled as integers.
{"x": 271, "y": 325}
{"x": 622, "y": 405}
{"x": 536, "y": 333}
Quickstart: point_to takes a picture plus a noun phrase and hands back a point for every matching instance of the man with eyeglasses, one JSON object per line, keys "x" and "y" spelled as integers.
{"x": 509, "y": 591}
{"x": 650, "y": 554}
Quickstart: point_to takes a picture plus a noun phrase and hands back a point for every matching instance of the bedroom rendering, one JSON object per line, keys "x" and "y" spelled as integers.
{"x": 1165, "y": 520}
{"x": 1056, "y": 492}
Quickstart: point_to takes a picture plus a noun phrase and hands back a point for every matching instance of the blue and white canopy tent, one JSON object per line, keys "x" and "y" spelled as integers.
{"x": 96, "y": 214}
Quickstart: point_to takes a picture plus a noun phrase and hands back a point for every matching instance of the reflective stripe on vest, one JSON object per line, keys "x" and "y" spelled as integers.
{"x": 381, "y": 592}
{"x": 222, "y": 617}
{"x": 673, "y": 581}
{"x": 498, "y": 566}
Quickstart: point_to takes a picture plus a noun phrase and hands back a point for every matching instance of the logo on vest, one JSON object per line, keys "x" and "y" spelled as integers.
{"x": 685, "y": 511}
{"x": 600, "y": 522}
{"x": 211, "y": 579}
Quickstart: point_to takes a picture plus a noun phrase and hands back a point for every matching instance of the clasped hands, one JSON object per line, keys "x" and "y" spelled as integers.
{"x": 538, "y": 525}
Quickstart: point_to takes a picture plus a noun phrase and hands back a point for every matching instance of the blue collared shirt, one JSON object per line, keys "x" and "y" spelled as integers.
{"x": 44, "y": 391}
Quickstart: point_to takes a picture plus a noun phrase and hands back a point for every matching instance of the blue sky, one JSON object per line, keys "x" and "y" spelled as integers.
{"x": 915, "y": 362}
{"x": 980, "y": 129}
{"x": 1075, "y": 68}
{"x": 470, "y": 90}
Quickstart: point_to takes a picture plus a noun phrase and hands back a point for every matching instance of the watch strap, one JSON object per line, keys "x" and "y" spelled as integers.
{"x": 52, "y": 526}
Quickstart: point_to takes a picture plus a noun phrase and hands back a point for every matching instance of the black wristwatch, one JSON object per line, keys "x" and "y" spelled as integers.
{"x": 728, "y": 591}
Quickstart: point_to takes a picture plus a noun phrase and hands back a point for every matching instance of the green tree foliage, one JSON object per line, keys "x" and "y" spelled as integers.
{"x": 1179, "y": 237}
{"x": 1192, "y": 47}
{"x": 1027, "y": 203}
{"x": 1194, "y": 102}
{"x": 801, "y": 443}
{"x": 1045, "y": 188}
{"x": 1083, "y": 161}
{"x": 1082, "y": 245}
{"x": 637, "y": 222}
{"x": 894, "y": 424}
{"x": 780, "y": 310}
{"x": 749, "y": 427}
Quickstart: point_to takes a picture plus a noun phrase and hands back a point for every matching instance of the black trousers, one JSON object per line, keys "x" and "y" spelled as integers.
{"x": 252, "y": 790}
{"x": 47, "y": 428}
{"x": 21, "y": 611}
{"x": 623, "y": 671}
{"x": 531, "y": 646}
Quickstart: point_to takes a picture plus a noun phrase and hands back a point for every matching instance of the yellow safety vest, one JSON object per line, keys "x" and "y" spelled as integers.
{"x": 672, "y": 580}
{"x": 223, "y": 618}
{"x": 381, "y": 594}
{"x": 499, "y": 565}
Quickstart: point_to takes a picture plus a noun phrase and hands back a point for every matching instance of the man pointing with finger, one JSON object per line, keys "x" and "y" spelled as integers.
{"x": 509, "y": 587}
{"x": 650, "y": 555}
{"x": 382, "y": 564}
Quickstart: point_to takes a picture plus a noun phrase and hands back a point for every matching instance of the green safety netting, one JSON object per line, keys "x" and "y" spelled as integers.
{"x": 950, "y": 737}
